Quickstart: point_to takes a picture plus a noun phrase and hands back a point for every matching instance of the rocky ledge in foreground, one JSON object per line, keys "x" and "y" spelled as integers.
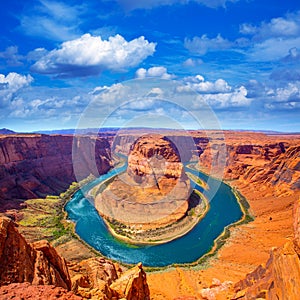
{"x": 37, "y": 263}
{"x": 37, "y": 271}
{"x": 154, "y": 192}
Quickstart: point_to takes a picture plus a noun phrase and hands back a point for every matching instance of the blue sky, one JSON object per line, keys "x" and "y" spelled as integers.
{"x": 237, "y": 59}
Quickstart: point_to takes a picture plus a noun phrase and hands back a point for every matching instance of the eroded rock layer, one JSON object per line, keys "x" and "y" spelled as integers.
{"x": 153, "y": 192}
{"x": 132, "y": 284}
{"x": 264, "y": 168}
{"x": 255, "y": 158}
{"x": 33, "y": 166}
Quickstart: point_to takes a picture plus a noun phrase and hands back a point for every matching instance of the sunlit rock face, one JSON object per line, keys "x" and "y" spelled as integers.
{"x": 153, "y": 192}
{"x": 152, "y": 158}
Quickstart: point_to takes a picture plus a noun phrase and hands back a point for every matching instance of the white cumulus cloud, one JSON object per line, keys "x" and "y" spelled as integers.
{"x": 286, "y": 26}
{"x": 236, "y": 98}
{"x": 286, "y": 93}
{"x": 14, "y": 81}
{"x": 89, "y": 55}
{"x": 159, "y": 72}
{"x": 198, "y": 84}
{"x": 272, "y": 40}
{"x": 190, "y": 62}
{"x": 267, "y": 41}
{"x": 109, "y": 94}
{"x": 10, "y": 85}
{"x": 156, "y": 92}
{"x": 218, "y": 94}
{"x": 273, "y": 49}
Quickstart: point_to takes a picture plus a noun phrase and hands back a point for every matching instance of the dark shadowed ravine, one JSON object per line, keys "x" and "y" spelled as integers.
{"x": 224, "y": 210}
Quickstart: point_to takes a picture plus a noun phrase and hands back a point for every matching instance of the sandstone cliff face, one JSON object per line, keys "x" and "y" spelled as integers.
{"x": 279, "y": 279}
{"x": 190, "y": 146}
{"x": 37, "y": 263}
{"x": 240, "y": 158}
{"x": 155, "y": 190}
{"x": 297, "y": 226}
{"x": 288, "y": 170}
{"x": 122, "y": 142}
{"x": 153, "y": 156}
{"x": 38, "y": 165}
{"x": 279, "y": 169}
{"x": 92, "y": 278}
{"x": 99, "y": 278}
{"x": 132, "y": 285}
{"x": 274, "y": 163}
{"x": 252, "y": 157}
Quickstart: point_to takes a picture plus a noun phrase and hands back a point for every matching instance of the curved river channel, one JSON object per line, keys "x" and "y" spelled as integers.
{"x": 224, "y": 210}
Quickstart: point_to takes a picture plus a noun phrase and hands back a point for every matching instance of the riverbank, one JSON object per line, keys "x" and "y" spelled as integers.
{"x": 198, "y": 208}
{"x": 80, "y": 209}
{"x": 164, "y": 234}
{"x": 242, "y": 201}
{"x": 46, "y": 218}
{"x": 119, "y": 162}
{"x": 247, "y": 246}
{"x": 211, "y": 256}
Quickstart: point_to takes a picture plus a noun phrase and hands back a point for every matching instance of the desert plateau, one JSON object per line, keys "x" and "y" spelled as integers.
{"x": 258, "y": 258}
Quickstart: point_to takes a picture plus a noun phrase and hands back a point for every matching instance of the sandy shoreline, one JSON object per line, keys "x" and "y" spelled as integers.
{"x": 169, "y": 238}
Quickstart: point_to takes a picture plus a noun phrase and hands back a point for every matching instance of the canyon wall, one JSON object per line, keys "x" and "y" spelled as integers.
{"x": 246, "y": 156}
{"x": 37, "y": 271}
{"x": 33, "y": 166}
{"x": 265, "y": 169}
{"x": 154, "y": 156}
{"x": 37, "y": 165}
{"x": 265, "y": 160}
